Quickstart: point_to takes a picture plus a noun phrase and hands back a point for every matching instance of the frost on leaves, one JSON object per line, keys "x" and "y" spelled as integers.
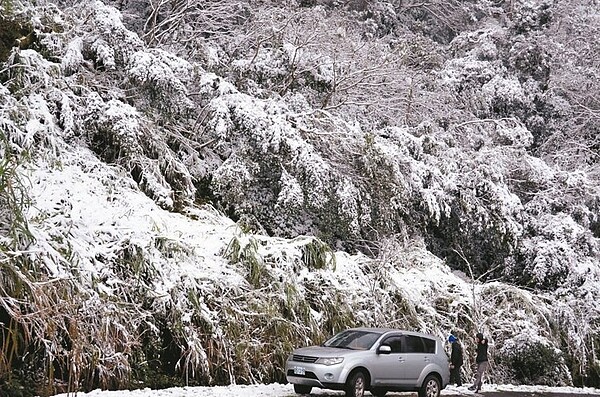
{"x": 119, "y": 134}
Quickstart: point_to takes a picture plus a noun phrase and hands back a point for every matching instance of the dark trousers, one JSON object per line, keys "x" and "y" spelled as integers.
{"x": 455, "y": 376}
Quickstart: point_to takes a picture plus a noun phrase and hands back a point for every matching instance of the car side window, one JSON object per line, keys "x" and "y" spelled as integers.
{"x": 413, "y": 344}
{"x": 429, "y": 345}
{"x": 395, "y": 342}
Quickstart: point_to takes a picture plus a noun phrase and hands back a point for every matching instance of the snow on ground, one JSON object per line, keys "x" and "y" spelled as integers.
{"x": 281, "y": 390}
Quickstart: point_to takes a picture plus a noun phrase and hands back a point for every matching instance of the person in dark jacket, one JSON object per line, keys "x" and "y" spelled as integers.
{"x": 481, "y": 359}
{"x": 456, "y": 360}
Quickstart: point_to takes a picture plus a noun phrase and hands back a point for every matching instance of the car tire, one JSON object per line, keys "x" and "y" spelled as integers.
{"x": 356, "y": 385}
{"x": 379, "y": 392}
{"x": 431, "y": 387}
{"x": 302, "y": 389}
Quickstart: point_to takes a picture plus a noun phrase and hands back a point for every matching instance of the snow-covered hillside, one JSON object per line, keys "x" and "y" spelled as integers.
{"x": 190, "y": 190}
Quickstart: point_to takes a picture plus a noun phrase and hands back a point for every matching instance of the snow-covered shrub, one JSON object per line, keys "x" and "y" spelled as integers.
{"x": 481, "y": 45}
{"x": 73, "y": 57}
{"x": 266, "y": 69}
{"x": 505, "y": 97}
{"x": 482, "y": 79}
{"x": 573, "y": 57}
{"x": 27, "y": 71}
{"x": 548, "y": 263}
{"x": 530, "y": 58}
{"x": 318, "y": 255}
{"x": 30, "y": 25}
{"x": 532, "y": 15}
{"x": 440, "y": 20}
{"x": 483, "y": 224}
{"x": 183, "y": 23}
{"x": 290, "y": 195}
{"x": 232, "y": 182}
{"x": 577, "y": 326}
{"x": 553, "y": 253}
{"x": 14, "y": 153}
{"x": 510, "y": 316}
{"x": 244, "y": 251}
{"x": 108, "y": 42}
{"x": 264, "y": 160}
{"x": 593, "y": 377}
{"x": 379, "y": 18}
{"x": 11, "y": 29}
{"x": 94, "y": 39}
{"x": 559, "y": 240}
{"x": 515, "y": 135}
{"x": 85, "y": 340}
{"x": 528, "y": 179}
{"x": 118, "y": 133}
{"x": 466, "y": 76}
{"x": 161, "y": 77}
{"x": 531, "y": 360}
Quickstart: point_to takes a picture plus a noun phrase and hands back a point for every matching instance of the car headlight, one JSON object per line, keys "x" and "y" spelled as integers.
{"x": 329, "y": 360}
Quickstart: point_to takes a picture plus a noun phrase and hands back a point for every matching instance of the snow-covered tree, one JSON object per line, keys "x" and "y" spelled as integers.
{"x": 188, "y": 190}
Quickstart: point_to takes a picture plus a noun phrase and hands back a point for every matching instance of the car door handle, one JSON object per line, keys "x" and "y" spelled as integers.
{"x": 401, "y": 359}
{"x": 426, "y": 359}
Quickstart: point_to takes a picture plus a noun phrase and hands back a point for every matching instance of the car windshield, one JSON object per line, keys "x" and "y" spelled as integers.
{"x": 353, "y": 339}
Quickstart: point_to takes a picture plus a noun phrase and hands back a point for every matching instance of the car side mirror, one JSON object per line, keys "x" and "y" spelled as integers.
{"x": 384, "y": 349}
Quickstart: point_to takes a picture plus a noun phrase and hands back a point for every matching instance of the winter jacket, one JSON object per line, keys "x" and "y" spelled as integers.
{"x": 482, "y": 351}
{"x": 456, "y": 355}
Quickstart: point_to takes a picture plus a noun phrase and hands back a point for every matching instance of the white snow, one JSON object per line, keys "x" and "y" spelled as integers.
{"x": 281, "y": 390}
{"x": 84, "y": 211}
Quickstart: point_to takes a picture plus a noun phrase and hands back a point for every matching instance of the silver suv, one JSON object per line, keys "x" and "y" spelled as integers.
{"x": 374, "y": 359}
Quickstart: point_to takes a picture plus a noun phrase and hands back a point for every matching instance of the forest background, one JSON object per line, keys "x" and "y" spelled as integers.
{"x": 190, "y": 189}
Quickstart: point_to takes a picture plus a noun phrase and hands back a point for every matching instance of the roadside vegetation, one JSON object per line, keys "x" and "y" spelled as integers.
{"x": 189, "y": 190}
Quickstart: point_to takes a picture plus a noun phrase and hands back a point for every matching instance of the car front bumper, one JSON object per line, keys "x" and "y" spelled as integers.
{"x": 316, "y": 375}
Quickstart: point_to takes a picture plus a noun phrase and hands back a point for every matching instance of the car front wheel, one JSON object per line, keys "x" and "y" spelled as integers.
{"x": 302, "y": 389}
{"x": 431, "y": 387}
{"x": 357, "y": 385}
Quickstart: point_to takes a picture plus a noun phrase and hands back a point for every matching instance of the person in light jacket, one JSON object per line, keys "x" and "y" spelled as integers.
{"x": 482, "y": 361}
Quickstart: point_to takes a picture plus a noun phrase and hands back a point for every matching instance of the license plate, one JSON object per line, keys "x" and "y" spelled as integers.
{"x": 299, "y": 371}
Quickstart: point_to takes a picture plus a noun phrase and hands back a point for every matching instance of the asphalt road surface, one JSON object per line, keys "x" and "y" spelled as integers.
{"x": 517, "y": 394}
{"x": 498, "y": 394}
{"x": 453, "y": 392}
{"x": 486, "y": 394}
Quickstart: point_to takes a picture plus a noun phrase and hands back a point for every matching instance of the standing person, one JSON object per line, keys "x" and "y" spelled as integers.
{"x": 456, "y": 360}
{"x": 481, "y": 359}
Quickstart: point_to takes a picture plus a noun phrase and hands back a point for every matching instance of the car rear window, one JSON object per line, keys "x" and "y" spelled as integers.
{"x": 429, "y": 345}
{"x": 417, "y": 344}
{"x": 414, "y": 344}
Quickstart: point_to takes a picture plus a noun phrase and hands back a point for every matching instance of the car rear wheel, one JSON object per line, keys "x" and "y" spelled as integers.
{"x": 379, "y": 392}
{"x": 431, "y": 387}
{"x": 302, "y": 389}
{"x": 357, "y": 385}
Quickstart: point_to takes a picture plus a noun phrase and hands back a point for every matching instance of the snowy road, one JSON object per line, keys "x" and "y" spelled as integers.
{"x": 280, "y": 390}
{"x": 498, "y": 393}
